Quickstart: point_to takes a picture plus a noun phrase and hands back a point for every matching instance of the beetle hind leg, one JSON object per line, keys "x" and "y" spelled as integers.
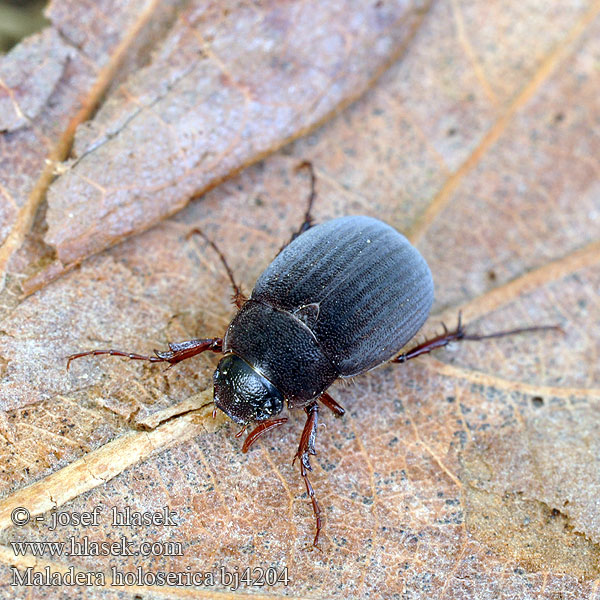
{"x": 460, "y": 334}
{"x": 306, "y": 448}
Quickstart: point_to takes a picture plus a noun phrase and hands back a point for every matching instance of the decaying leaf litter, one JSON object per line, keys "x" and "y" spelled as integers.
{"x": 451, "y": 441}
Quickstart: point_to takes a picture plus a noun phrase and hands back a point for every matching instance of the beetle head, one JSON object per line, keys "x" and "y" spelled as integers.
{"x": 242, "y": 393}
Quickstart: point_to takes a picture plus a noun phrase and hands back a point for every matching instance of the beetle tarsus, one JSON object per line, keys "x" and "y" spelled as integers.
{"x": 460, "y": 334}
{"x": 306, "y": 448}
{"x": 112, "y": 352}
{"x": 177, "y": 352}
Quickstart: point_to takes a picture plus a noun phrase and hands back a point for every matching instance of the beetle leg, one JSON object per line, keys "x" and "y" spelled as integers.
{"x": 332, "y": 405}
{"x": 238, "y": 296}
{"x": 260, "y": 430}
{"x": 460, "y": 334}
{"x": 176, "y": 353}
{"x": 308, "y": 219}
{"x": 306, "y": 447}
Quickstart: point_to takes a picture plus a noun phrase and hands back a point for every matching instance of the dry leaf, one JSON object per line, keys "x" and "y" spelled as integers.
{"x": 70, "y": 67}
{"x": 229, "y": 84}
{"x": 472, "y": 472}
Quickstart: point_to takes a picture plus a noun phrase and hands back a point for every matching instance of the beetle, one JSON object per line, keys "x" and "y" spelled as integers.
{"x": 340, "y": 299}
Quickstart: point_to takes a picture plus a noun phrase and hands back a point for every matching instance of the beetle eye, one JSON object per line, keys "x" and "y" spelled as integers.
{"x": 272, "y": 406}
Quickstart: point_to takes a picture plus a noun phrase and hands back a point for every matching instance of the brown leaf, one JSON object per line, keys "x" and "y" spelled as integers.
{"x": 69, "y": 68}
{"x": 229, "y": 84}
{"x": 472, "y": 472}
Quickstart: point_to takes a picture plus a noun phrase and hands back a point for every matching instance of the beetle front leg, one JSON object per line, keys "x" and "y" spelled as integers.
{"x": 460, "y": 334}
{"x": 306, "y": 448}
{"x": 177, "y": 352}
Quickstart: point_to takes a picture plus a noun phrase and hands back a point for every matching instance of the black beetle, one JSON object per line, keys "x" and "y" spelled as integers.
{"x": 340, "y": 299}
